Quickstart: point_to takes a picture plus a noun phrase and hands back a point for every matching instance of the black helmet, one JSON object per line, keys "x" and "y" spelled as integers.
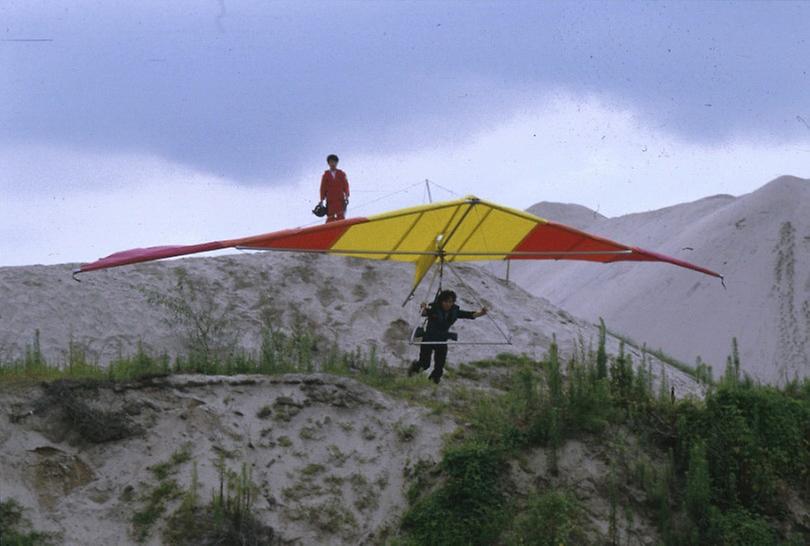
{"x": 319, "y": 210}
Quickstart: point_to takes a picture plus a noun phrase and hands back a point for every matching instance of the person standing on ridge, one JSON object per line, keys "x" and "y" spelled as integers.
{"x": 334, "y": 190}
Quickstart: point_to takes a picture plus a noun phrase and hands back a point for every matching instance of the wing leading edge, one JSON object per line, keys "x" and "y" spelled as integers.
{"x": 466, "y": 229}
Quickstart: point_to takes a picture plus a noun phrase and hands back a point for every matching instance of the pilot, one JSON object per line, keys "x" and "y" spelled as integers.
{"x": 441, "y": 315}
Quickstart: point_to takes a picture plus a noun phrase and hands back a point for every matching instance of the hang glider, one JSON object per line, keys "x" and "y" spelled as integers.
{"x": 467, "y": 229}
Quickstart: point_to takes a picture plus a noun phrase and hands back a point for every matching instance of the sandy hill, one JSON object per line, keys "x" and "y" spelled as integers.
{"x": 570, "y": 214}
{"x": 332, "y": 458}
{"x": 759, "y": 241}
{"x": 354, "y": 303}
{"x": 326, "y": 458}
{"x": 326, "y": 452}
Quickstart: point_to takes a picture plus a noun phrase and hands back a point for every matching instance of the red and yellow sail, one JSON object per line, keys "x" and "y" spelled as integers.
{"x": 467, "y": 229}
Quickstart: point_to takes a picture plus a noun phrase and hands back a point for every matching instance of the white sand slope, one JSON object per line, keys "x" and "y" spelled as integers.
{"x": 759, "y": 241}
{"x": 566, "y": 213}
{"x": 329, "y": 456}
{"x": 357, "y": 303}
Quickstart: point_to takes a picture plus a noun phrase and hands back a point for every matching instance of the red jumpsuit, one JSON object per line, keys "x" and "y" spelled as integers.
{"x": 335, "y": 190}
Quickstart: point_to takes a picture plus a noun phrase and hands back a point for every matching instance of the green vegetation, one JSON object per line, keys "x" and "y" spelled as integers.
{"x": 470, "y": 507}
{"x": 405, "y": 433}
{"x": 163, "y": 470}
{"x": 336, "y": 456}
{"x": 330, "y": 517}
{"x": 295, "y": 352}
{"x": 727, "y": 463}
{"x": 226, "y": 520}
{"x": 77, "y": 366}
{"x": 549, "y": 519}
{"x": 367, "y": 496}
{"x": 201, "y": 322}
{"x": 722, "y": 470}
{"x": 700, "y": 371}
{"x": 312, "y": 469}
{"x": 153, "y": 506}
{"x": 15, "y": 530}
{"x": 156, "y": 500}
{"x": 93, "y": 424}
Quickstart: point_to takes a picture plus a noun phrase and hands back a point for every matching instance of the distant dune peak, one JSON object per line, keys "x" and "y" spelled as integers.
{"x": 723, "y": 196}
{"x": 759, "y": 240}
{"x": 786, "y": 183}
{"x": 578, "y": 216}
{"x": 788, "y": 179}
{"x": 779, "y": 195}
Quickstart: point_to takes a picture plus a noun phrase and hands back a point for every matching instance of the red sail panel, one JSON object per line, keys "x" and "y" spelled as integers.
{"x": 312, "y": 239}
{"x": 315, "y": 239}
{"x": 552, "y": 237}
{"x": 137, "y": 255}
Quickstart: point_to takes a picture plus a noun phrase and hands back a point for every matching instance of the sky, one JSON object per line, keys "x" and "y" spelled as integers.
{"x": 133, "y": 124}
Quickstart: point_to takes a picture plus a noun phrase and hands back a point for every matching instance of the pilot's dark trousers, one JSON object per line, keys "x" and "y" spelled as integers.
{"x": 440, "y": 352}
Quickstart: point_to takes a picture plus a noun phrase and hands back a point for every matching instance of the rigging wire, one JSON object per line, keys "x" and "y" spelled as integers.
{"x": 402, "y": 190}
{"x": 478, "y": 300}
{"x": 448, "y": 190}
{"x": 367, "y": 203}
{"x": 423, "y": 321}
{"x": 438, "y": 274}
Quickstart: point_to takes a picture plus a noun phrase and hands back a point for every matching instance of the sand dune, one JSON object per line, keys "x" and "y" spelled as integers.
{"x": 759, "y": 241}
{"x": 570, "y": 214}
{"x": 328, "y": 454}
{"x": 356, "y": 303}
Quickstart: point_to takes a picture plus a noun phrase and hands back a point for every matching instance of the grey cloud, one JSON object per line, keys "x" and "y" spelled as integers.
{"x": 256, "y": 90}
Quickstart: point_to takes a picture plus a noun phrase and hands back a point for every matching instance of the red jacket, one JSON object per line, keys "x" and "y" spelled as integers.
{"x": 334, "y": 189}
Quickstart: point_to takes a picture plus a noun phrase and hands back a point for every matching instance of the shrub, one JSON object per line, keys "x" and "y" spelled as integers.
{"x": 14, "y": 529}
{"x": 204, "y": 322}
{"x": 227, "y": 520}
{"x": 93, "y": 424}
{"x": 153, "y": 507}
{"x": 739, "y": 528}
{"x": 405, "y": 433}
{"x": 698, "y": 486}
{"x": 755, "y": 438}
{"x": 469, "y": 508}
{"x": 550, "y": 519}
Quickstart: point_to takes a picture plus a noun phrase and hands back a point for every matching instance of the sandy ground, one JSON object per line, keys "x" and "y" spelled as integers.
{"x": 355, "y": 303}
{"x": 568, "y": 213}
{"x": 759, "y": 241}
{"x": 328, "y": 454}
{"x": 331, "y": 456}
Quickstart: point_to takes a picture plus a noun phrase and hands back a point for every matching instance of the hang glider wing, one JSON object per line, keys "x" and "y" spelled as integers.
{"x": 466, "y": 229}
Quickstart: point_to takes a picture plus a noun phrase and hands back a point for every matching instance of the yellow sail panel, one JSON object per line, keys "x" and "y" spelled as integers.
{"x": 392, "y": 235}
{"x": 465, "y": 225}
{"x": 423, "y": 265}
{"x": 432, "y": 228}
{"x": 491, "y": 231}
